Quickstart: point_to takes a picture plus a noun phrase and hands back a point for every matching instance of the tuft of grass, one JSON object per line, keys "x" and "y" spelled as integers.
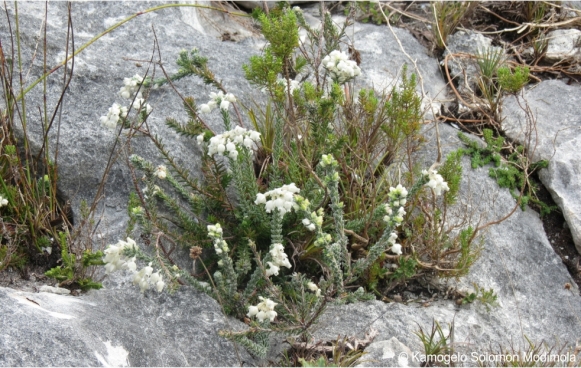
{"x": 447, "y": 16}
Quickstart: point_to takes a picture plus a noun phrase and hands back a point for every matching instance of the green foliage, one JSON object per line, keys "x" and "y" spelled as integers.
{"x": 451, "y": 171}
{"x": 507, "y": 172}
{"x": 321, "y": 362}
{"x": 481, "y": 156}
{"x": 191, "y": 63}
{"x": 343, "y": 355}
{"x": 280, "y": 29}
{"x": 72, "y": 271}
{"x": 436, "y": 342}
{"x": 468, "y": 251}
{"x": 489, "y": 61}
{"x": 9, "y": 257}
{"x": 512, "y": 82}
{"x": 263, "y": 70}
{"x": 487, "y": 297}
{"x": 405, "y": 270}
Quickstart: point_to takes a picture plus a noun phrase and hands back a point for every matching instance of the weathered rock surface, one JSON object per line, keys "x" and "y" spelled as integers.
{"x": 115, "y": 328}
{"x": 563, "y": 44}
{"x": 517, "y": 261}
{"x": 388, "y": 353}
{"x": 556, "y": 137}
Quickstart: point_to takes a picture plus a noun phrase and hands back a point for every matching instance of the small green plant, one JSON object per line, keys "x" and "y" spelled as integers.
{"x": 534, "y": 12}
{"x": 540, "y": 46}
{"x": 512, "y": 172}
{"x": 512, "y": 82}
{"x": 436, "y": 342}
{"x": 487, "y": 297}
{"x": 320, "y": 362}
{"x": 73, "y": 270}
{"x": 489, "y": 61}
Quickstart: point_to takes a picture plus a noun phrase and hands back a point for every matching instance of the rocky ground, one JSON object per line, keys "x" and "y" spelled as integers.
{"x": 532, "y": 263}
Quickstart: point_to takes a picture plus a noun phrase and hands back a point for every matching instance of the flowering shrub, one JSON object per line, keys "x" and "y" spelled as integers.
{"x": 308, "y": 207}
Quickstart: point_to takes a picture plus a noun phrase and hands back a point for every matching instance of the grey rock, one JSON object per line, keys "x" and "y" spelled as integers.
{"x": 54, "y": 290}
{"x": 563, "y": 44}
{"x": 517, "y": 261}
{"x": 116, "y": 328}
{"x": 557, "y": 138}
{"x": 99, "y": 71}
{"x": 466, "y": 68}
{"x": 388, "y": 353}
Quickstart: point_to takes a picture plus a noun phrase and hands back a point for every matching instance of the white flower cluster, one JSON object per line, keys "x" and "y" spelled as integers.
{"x": 309, "y": 225}
{"x": 281, "y": 198}
{"x": 138, "y": 211}
{"x": 328, "y": 160}
{"x": 161, "y": 172}
{"x": 394, "y": 209}
{"x": 314, "y": 288}
{"x": 218, "y": 99}
{"x": 3, "y": 201}
{"x": 140, "y": 104}
{"x": 294, "y": 84}
{"x": 228, "y": 142}
{"x": 436, "y": 182}
{"x": 215, "y": 232}
{"x": 315, "y": 220}
{"x": 151, "y": 191}
{"x": 341, "y": 68}
{"x": 394, "y": 214}
{"x": 145, "y": 279}
{"x": 115, "y": 113}
{"x": 128, "y": 91}
{"x": 264, "y": 310}
{"x": 131, "y": 86}
{"x": 115, "y": 260}
{"x": 395, "y": 247}
{"x": 279, "y": 259}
